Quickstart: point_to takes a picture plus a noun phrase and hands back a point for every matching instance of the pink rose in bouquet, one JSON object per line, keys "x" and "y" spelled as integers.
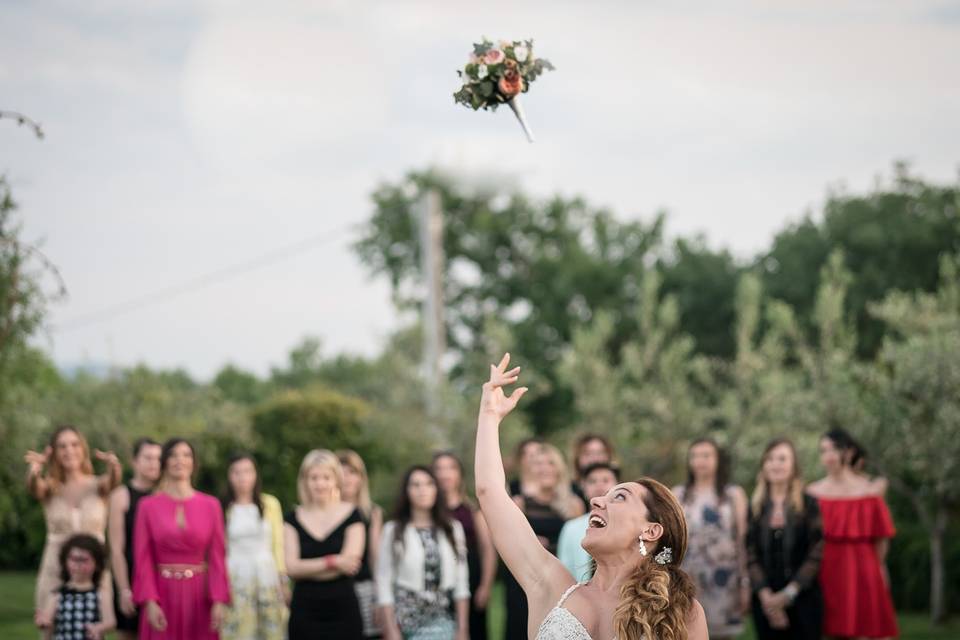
{"x": 494, "y": 56}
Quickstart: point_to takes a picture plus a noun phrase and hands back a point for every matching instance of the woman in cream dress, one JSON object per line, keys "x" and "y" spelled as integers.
{"x": 74, "y": 501}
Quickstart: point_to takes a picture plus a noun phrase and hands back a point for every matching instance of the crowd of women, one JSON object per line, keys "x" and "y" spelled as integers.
{"x": 805, "y": 560}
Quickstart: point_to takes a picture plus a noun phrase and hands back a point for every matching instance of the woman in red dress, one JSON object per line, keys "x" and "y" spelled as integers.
{"x": 857, "y": 528}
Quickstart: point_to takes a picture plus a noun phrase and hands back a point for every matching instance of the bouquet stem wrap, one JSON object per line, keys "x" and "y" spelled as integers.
{"x": 517, "y": 108}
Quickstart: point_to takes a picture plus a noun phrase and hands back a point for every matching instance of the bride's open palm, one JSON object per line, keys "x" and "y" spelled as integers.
{"x": 494, "y": 401}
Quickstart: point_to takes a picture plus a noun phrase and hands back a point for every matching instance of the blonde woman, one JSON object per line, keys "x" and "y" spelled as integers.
{"x": 323, "y": 545}
{"x": 784, "y": 549}
{"x": 547, "y": 505}
{"x": 356, "y": 491}
{"x": 637, "y": 535}
{"x": 74, "y": 501}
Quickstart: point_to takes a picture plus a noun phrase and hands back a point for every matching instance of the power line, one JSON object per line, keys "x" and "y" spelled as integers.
{"x": 201, "y": 282}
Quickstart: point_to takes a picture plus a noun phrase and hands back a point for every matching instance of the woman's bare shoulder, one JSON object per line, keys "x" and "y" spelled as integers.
{"x": 697, "y": 622}
{"x": 816, "y": 488}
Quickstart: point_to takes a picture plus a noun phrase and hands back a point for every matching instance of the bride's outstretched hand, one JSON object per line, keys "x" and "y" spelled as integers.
{"x": 494, "y": 402}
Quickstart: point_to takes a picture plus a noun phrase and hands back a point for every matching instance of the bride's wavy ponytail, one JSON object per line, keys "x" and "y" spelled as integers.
{"x": 656, "y": 601}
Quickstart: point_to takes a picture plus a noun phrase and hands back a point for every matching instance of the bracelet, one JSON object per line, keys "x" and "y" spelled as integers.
{"x": 745, "y": 582}
{"x": 791, "y": 592}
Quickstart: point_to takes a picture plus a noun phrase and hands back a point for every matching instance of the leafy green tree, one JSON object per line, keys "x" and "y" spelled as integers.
{"x": 781, "y": 381}
{"x": 21, "y": 419}
{"x": 240, "y": 386}
{"x": 542, "y": 268}
{"x": 26, "y": 374}
{"x": 648, "y": 393}
{"x": 891, "y": 239}
{"x": 915, "y": 398}
{"x": 24, "y": 298}
{"x": 704, "y": 284}
{"x": 294, "y": 422}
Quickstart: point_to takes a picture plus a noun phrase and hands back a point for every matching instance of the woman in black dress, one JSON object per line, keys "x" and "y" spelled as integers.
{"x": 784, "y": 548}
{"x": 547, "y": 506}
{"x": 323, "y": 548}
{"x": 123, "y": 512}
{"x": 356, "y": 490}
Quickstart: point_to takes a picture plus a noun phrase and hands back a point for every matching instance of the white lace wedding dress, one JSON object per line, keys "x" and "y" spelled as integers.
{"x": 560, "y": 624}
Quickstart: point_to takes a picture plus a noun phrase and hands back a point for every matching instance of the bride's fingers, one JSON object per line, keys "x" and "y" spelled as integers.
{"x": 497, "y": 372}
{"x": 514, "y": 397}
{"x": 504, "y": 361}
{"x": 499, "y": 380}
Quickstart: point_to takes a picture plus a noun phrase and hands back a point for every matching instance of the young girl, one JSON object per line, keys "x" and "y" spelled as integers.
{"x": 75, "y": 611}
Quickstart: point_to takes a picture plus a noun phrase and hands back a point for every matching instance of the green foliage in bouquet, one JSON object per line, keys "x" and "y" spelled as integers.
{"x": 496, "y": 73}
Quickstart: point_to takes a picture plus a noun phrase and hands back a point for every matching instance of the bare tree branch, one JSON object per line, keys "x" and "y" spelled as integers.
{"x": 23, "y": 120}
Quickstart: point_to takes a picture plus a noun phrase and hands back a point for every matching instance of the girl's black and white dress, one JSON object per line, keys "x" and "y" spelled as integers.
{"x": 75, "y": 610}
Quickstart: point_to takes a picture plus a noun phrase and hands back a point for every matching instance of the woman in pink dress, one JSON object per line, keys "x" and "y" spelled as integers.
{"x": 181, "y": 578}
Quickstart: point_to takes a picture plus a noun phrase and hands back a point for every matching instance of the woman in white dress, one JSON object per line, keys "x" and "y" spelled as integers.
{"x": 254, "y": 556}
{"x": 637, "y": 536}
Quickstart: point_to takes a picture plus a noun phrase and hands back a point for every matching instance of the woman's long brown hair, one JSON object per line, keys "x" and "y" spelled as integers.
{"x": 657, "y": 599}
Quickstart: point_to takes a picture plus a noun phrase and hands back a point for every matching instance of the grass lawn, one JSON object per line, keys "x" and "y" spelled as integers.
{"x": 16, "y": 606}
{"x": 16, "y": 614}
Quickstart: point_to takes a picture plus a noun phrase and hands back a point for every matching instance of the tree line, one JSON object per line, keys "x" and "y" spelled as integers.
{"x": 851, "y": 317}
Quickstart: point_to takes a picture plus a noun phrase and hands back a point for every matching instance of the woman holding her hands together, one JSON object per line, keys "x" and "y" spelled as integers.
{"x": 323, "y": 544}
{"x": 637, "y": 537}
{"x": 181, "y": 579}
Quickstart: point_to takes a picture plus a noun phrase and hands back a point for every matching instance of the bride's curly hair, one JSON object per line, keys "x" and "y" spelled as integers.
{"x": 656, "y": 600}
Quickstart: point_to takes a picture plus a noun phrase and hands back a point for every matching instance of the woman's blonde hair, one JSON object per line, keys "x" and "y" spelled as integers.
{"x": 562, "y": 493}
{"x": 656, "y": 600}
{"x": 794, "y": 490}
{"x": 317, "y": 458}
{"x": 352, "y": 459}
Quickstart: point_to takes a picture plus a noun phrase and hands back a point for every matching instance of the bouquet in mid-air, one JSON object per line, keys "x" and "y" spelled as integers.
{"x": 497, "y": 74}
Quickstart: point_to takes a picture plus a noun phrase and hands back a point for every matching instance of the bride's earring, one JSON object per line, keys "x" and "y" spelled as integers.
{"x": 643, "y": 548}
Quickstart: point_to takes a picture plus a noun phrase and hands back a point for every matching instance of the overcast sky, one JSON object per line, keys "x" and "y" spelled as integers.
{"x": 187, "y": 137}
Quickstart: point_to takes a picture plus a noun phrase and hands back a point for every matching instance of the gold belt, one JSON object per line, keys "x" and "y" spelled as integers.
{"x": 181, "y": 571}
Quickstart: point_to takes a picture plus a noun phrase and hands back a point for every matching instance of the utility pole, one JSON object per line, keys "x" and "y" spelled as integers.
{"x": 434, "y": 328}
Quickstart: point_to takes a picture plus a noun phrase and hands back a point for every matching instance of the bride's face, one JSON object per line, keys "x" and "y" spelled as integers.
{"x": 617, "y": 521}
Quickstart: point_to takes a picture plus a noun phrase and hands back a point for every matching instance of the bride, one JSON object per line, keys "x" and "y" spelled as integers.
{"x": 637, "y": 537}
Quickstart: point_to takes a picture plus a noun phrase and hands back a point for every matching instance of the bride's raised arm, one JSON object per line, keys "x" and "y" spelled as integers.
{"x": 539, "y": 573}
